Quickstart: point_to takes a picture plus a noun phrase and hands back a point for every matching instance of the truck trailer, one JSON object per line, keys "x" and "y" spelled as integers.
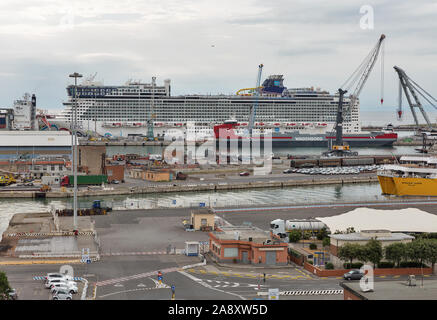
{"x": 84, "y": 180}
{"x": 281, "y": 227}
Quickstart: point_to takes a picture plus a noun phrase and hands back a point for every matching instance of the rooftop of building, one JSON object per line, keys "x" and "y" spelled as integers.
{"x": 202, "y": 211}
{"x": 242, "y": 233}
{"x": 396, "y": 290}
{"x": 364, "y": 235}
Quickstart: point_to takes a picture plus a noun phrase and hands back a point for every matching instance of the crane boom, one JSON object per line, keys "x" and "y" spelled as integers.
{"x": 364, "y": 69}
{"x": 255, "y": 103}
{"x": 411, "y": 90}
{"x": 372, "y": 57}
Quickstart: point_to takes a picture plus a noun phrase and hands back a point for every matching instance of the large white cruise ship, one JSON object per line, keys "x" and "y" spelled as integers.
{"x": 297, "y": 116}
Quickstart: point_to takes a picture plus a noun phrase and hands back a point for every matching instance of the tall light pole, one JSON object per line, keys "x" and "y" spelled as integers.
{"x": 75, "y": 158}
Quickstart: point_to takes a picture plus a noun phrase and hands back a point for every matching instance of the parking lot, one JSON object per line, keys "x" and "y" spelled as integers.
{"x": 27, "y": 288}
{"x": 335, "y": 170}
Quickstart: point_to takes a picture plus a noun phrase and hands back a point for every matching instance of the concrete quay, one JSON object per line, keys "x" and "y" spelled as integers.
{"x": 193, "y": 186}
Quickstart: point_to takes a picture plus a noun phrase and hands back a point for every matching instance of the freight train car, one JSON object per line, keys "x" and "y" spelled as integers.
{"x": 357, "y": 161}
{"x": 304, "y": 163}
{"x": 333, "y": 162}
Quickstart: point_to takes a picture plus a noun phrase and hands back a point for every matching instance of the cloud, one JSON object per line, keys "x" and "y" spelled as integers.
{"x": 206, "y": 48}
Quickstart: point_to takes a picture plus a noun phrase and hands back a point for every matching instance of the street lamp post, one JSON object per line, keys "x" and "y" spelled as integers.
{"x": 75, "y": 158}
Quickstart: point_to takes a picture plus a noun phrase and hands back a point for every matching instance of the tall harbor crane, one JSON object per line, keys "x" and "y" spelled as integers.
{"x": 359, "y": 76}
{"x": 255, "y": 103}
{"x": 412, "y": 92}
{"x": 150, "y": 133}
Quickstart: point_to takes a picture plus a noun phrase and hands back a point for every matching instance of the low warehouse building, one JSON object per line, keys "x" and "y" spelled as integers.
{"x": 247, "y": 244}
{"x": 384, "y": 236}
{"x": 203, "y": 219}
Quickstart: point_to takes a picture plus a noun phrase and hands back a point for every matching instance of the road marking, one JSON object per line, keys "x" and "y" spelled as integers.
{"x": 306, "y": 292}
{"x": 138, "y": 276}
{"x": 201, "y": 282}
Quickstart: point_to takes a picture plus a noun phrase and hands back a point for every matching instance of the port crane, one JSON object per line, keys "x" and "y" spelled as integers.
{"x": 359, "y": 76}
{"x": 150, "y": 133}
{"x": 256, "y": 93}
{"x": 412, "y": 92}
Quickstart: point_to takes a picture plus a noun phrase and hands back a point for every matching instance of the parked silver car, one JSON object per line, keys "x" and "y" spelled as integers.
{"x": 62, "y": 295}
{"x": 353, "y": 275}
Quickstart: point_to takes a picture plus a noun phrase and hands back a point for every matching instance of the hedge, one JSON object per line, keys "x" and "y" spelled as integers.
{"x": 386, "y": 264}
{"x": 355, "y": 265}
{"x": 411, "y": 264}
{"x": 329, "y": 266}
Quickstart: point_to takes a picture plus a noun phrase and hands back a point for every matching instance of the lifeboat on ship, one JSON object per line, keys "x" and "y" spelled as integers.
{"x": 158, "y": 124}
{"x": 178, "y": 124}
{"x": 261, "y": 124}
{"x": 138, "y": 124}
{"x": 277, "y": 124}
{"x": 244, "y": 124}
{"x": 291, "y": 124}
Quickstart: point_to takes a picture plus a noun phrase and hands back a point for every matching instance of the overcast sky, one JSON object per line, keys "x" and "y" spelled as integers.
{"x": 211, "y": 46}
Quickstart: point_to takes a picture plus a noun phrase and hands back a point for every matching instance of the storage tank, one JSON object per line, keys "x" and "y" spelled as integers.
{"x": 304, "y": 225}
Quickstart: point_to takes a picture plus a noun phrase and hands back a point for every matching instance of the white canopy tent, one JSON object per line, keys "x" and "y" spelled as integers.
{"x": 403, "y": 220}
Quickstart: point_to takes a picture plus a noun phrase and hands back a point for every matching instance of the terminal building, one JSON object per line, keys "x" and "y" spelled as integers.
{"x": 248, "y": 245}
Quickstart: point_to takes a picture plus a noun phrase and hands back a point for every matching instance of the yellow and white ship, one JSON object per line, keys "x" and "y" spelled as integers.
{"x": 415, "y": 176}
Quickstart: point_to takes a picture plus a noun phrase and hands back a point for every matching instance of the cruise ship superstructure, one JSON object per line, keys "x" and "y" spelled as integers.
{"x": 305, "y": 115}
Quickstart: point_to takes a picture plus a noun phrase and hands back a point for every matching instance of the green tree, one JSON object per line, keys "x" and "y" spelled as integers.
{"x": 418, "y": 250}
{"x": 373, "y": 251}
{"x": 322, "y": 234}
{"x": 4, "y": 286}
{"x": 395, "y": 252}
{"x": 348, "y": 252}
{"x": 294, "y": 236}
{"x": 326, "y": 242}
{"x": 432, "y": 252}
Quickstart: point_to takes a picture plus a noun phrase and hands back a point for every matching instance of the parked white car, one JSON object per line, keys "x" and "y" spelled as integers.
{"x": 49, "y": 284}
{"x": 69, "y": 287}
{"x": 52, "y": 276}
{"x": 62, "y": 295}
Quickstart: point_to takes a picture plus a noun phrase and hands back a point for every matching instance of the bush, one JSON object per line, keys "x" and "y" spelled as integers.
{"x": 329, "y": 266}
{"x": 294, "y": 253}
{"x": 313, "y": 246}
{"x": 355, "y": 265}
{"x": 411, "y": 264}
{"x": 323, "y": 233}
{"x": 310, "y": 262}
{"x": 386, "y": 264}
{"x": 294, "y": 236}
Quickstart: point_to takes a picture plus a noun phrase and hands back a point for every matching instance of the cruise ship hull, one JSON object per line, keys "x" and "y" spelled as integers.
{"x": 229, "y": 131}
{"x": 408, "y": 186}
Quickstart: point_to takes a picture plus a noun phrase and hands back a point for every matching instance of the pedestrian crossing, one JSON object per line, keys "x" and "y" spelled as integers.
{"x": 137, "y": 276}
{"x": 299, "y": 276}
{"x": 43, "y": 278}
{"x": 311, "y": 292}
